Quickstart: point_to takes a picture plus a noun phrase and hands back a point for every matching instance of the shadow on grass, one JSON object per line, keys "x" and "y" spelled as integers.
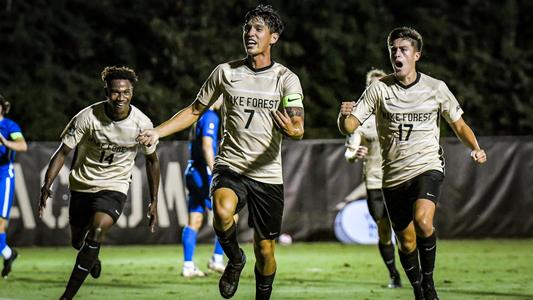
{"x": 491, "y": 293}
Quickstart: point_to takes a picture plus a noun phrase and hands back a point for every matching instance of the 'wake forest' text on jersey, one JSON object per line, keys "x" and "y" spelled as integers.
{"x": 408, "y": 120}
{"x": 106, "y": 149}
{"x": 251, "y": 144}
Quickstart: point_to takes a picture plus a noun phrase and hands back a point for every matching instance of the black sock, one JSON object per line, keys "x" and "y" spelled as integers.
{"x": 387, "y": 253}
{"x": 228, "y": 241}
{"x": 86, "y": 259}
{"x": 411, "y": 266}
{"x": 428, "y": 250}
{"x": 263, "y": 285}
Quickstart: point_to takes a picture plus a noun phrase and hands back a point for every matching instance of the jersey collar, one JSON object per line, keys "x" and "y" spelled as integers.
{"x": 409, "y": 85}
{"x": 247, "y": 63}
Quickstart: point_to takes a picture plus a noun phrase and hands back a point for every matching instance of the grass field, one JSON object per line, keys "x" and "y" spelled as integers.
{"x": 485, "y": 269}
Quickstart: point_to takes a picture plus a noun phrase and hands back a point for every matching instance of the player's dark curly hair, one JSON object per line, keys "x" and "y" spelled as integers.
{"x": 110, "y": 73}
{"x": 269, "y": 15}
{"x": 406, "y": 33}
{"x": 5, "y": 105}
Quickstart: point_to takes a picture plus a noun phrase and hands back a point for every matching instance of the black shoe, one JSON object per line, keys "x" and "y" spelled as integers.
{"x": 230, "y": 278}
{"x": 8, "y": 263}
{"x": 395, "y": 281}
{"x": 429, "y": 289}
{"x": 96, "y": 269}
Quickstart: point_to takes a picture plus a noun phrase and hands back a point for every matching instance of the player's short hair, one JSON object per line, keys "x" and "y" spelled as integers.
{"x": 406, "y": 33}
{"x": 374, "y": 73}
{"x": 110, "y": 73}
{"x": 269, "y": 15}
{"x": 5, "y": 105}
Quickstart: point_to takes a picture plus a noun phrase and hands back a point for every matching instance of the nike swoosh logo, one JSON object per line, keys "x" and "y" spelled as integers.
{"x": 294, "y": 99}
{"x": 82, "y": 268}
{"x": 387, "y": 98}
{"x": 429, "y": 194}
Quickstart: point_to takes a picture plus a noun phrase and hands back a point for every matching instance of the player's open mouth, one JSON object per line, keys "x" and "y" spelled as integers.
{"x": 398, "y": 64}
{"x": 250, "y": 43}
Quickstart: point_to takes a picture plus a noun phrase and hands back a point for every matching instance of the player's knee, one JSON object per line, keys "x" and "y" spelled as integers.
{"x": 97, "y": 234}
{"x": 423, "y": 224}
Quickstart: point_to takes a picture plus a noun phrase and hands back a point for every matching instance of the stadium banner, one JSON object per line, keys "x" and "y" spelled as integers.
{"x": 493, "y": 200}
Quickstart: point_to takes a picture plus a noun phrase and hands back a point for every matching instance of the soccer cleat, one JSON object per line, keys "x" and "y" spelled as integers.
{"x": 395, "y": 281}
{"x": 96, "y": 269}
{"x": 429, "y": 289}
{"x": 230, "y": 278}
{"x": 8, "y": 263}
{"x": 192, "y": 272}
{"x": 215, "y": 267}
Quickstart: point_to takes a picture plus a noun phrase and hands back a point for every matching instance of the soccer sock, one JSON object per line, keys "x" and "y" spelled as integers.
{"x": 228, "y": 241}
{"x": 4, "y": 248}
{"x": 85, "y": 260}
{"x": 387, "y": 253}
{"x": 428, "y": 250}
{"x": 218, "y": 248}
{"x": 263, "y": 285}
{"x": 411, "y": 266}
{"x": 188, "y": 239}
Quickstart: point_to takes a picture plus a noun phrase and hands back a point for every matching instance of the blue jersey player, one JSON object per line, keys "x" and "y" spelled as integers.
{"x": 11, "y": 141}
{"x": 203, "y": 148}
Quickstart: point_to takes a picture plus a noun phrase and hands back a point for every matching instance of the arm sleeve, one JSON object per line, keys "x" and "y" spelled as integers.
{"x": 292, "y": 89}
{"x": 210, "y": 125}
{"x": 366, "y": 104}
{"x": 75, "y": 130}
{"x": 211, "y": 89}
{"x": 450, "y": 108}
{"x": 15, "y": 132}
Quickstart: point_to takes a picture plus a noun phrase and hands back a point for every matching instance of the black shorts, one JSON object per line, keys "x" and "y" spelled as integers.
{"x": 83, "y": 206}
{"x": 400, "y": 199}
{"x": 376, "y": 204}
{"x": 265, "y": 201}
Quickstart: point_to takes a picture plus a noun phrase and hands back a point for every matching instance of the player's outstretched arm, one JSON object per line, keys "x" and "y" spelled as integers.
{"x": 290, "y": 121}
{"x": 153, "y": 175}
{"x": 181, "y": 120}
{"x": 346, "y": 122}
{"x": 18, "y": 145}
{"x": 467, "y": 136}
{"x": 56, "y": 163}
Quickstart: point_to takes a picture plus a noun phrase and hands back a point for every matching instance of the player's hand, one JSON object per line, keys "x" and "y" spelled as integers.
{"x": 148, "y": 137}
{"x": 46, "y": 193}
{"x": 152, "y": 215}
{"x": 361, "y": 152}
{"x": 479, "y": 156}
{"x": 346, "y": 108}
{"x": 283, "y": 122}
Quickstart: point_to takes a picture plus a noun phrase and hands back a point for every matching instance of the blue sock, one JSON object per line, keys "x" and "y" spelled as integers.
{"x": 3, "y": 243}
{"x": 218, "y": 247}
{"x": 188, "y": 239}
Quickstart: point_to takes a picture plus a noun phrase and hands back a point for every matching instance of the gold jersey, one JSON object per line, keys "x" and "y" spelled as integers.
{"x": 105, "y": 149}
{"x": 408, "y": 121}
{"x": 251, "y": 143}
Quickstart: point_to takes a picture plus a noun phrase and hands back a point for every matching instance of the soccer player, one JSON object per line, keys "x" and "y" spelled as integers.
{"x": 408, "y": 105}
{"x": 11, "y": 141}
{"x": 203, "y": 147}
{"x": 363, "y": 144}
{"x": 104, "y": 135}
{"x": 262, "y": 103}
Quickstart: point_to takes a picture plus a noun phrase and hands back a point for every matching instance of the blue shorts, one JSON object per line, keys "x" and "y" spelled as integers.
{"x": 7, "y": 192}
{"x": 198, "y": 180}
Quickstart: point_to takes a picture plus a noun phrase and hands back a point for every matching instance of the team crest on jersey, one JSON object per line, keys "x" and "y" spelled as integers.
{"x": 71, "y": 129}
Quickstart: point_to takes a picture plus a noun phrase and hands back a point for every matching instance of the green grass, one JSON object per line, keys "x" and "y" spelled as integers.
{"x": 485, "y": 269}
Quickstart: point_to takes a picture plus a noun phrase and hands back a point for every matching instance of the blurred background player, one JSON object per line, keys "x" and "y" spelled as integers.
{"x": 203, "y": 147}
{"x": 104, "y": 136}
{"x": 364, "y": 144}
{"x": 263, "y": 101}
{"x": 11, "y": 141}
{"x": 408, "y": 106}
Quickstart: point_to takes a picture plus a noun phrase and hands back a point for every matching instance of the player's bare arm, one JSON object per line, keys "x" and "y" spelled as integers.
{"x": 56, "y": 163}
{"x": 467, "y": 136}
{"x": 290, "y": 121}
{"x": 181, "y": 120}
{"x": 346, "y": 122}
{"x": 153, "y": 175}
{"x": 18, "y": 145}
{"x": 207, "y": 151}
